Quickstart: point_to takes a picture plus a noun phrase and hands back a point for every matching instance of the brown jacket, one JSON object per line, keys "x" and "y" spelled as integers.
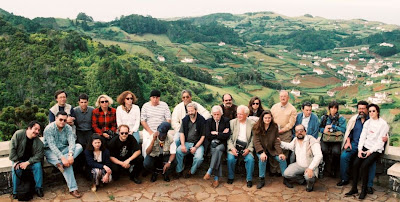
{"x": 267, "y": 141}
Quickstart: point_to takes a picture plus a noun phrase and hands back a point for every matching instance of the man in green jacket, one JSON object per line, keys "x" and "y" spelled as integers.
{"x": 27, "y": 153}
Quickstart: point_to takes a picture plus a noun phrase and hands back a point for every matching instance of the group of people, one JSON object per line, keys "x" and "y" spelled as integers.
{"x": 287, "y": 143}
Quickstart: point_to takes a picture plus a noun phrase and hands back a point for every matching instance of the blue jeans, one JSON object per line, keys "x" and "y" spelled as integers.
{"x": 248, "y": 159}
{"x": 197, "y": 158}
{"x": 136, "y": 136}
{"x": 37, "y": 171}
{"x": 263, "y": 165}
{"x": 68, "y": 171}
{"x": 345, "y": 163}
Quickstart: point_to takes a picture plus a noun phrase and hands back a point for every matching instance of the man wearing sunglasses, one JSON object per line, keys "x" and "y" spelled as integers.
{"x": 125, "y": 155}
{"x": 61, "y": 149}
{"x": 180, "y": 111}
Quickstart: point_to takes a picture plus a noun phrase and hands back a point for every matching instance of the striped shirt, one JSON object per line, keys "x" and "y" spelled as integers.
{"x": 155, "y": 115}
{"x": 57, "y": 140}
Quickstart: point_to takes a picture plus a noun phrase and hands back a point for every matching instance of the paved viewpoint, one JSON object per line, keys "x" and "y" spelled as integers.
{"x": 197, "y": 189}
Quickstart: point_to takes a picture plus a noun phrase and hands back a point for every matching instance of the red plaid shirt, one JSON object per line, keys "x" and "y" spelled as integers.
{"x": 102, "y": 122}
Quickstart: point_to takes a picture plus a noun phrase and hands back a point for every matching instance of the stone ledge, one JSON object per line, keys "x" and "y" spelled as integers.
{"x": 394, "y": 170}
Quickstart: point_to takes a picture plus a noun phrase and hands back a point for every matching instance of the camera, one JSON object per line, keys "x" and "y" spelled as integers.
{"x": 363, "y": 155}
{"x": 331, "y": 130}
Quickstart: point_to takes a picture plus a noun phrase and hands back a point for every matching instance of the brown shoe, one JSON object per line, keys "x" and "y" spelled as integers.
{"x": 215, "y": 184}
{"x": 207, "y": 176}
{"x": 75, "y": 193}
{"x": 60, "y": 167}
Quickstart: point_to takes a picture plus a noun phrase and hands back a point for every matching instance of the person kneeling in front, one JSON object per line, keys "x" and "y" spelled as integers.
{"x": 308, "y": 156}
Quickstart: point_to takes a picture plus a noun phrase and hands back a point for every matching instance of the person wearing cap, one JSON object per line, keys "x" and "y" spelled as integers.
{"x": 160, "y": 153}
{"x": 152, "y": 115}
{"x": 180, "y": 111}
{"x": 192, "y": 137}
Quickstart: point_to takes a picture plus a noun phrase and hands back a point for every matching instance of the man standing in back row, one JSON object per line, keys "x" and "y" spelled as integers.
{"x": 228, "y": 108}
{"x": 285, "y": 116}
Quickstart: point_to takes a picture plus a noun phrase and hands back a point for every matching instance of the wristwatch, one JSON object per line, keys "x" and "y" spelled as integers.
{"x": 169, "y": 162}
{"x": 70, "y": 154}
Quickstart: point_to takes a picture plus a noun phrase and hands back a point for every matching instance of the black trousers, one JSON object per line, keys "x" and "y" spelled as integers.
{"x": 156, "y": 164}
{"x": 137, "y": 164}
{"x": 361, "y": 167}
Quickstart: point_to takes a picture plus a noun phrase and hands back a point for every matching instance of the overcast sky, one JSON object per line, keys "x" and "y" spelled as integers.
{"x": 387, "y": 11}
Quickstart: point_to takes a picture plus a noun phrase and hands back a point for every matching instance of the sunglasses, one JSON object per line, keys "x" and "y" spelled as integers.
{"x": 256, "y": 103}
{"x": 129, "y": 98}
{"x": 372, "y": 110}
{"x": 123, "y": 133}
{"x": 62, "y": 120}
{"x": 185, "y": 97}
{"x": 299, "y": 131}
{"x": 105, "y": 101}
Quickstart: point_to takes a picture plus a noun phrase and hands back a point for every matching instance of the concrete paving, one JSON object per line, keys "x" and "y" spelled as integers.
{"x": 198, "y": 189}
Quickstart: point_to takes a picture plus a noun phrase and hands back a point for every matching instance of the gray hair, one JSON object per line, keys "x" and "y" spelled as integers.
{"x": 217, "y": 108}
{"x": 194, "y": 105}
{"x": 284, "y": 91}
{"x": 186, "y": 91}
{"x": 245, "y": 108}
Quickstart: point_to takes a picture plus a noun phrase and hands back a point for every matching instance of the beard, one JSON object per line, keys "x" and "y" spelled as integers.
{"x": 192, "y": 116}
{"x": 362, "y": 115}
{"x": 300, "y": 137}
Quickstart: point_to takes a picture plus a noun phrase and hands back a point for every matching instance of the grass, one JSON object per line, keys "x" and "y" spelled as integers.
{"x": 130, "y": 48}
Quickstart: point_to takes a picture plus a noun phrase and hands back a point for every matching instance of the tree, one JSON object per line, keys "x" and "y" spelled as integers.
{"x": 84, "y": 17}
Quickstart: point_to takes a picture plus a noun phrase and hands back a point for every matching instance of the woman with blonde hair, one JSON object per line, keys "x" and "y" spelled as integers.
{"x": 128, "y": 113}
{"x": 104, "y": 118}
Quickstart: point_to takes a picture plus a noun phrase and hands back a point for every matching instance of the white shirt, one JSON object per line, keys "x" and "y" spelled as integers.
{"x": 179, "y": 113}
{"x": 301, "y": 152}
{"x": 132, "y": 119}
{"x": 155, "y": 115}
{"x": 242, "y": 132}
{"x": 305, "y": 121}
{"x": 371, "y": 135}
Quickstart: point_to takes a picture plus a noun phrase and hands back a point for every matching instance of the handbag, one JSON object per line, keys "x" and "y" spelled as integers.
{"x": 26, "y": 185}
{"x": 336, "y": 136}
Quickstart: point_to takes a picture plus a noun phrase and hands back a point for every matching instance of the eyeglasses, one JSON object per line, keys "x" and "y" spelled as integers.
{"x": 372, "y": 110}
{"x": 62, "y": 120}
{"x": 123, "y": 133}
{"x": 256, "y": 103}
{"x": 105, "y": 101}
{"x": 129, "y": 98}
{"x": 299, "y": 131}
{"x": 185, "y": 97}
{"x": 228, "y": 100}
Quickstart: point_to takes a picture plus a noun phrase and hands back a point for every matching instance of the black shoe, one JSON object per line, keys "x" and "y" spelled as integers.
{"x": 278, "y": 175}
{"x": 363, "y": 194}
{"x": 166, "y": 178}
{"x": 304, "y": 182}
{"x": 230, "y": 181}
{"x": 370, "y": 190}
{"x": 14, "y": 196}
{"x": 153, "y": 177}
{"x": 249, "y": 184}
{"x": 310, "y": 186}
{"x": 188, "y": 175}
{"x": 39, "y": 192}
{"x": 178, "y": 175}
{"x": 342, "y": 183}
{"x": 136, "y": 180}
{"x": 287, "y": 183}
{"x": 261, "y": 183}
{"x": 351, "y": 192}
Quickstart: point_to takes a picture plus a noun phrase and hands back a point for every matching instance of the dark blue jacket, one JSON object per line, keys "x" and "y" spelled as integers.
{"x": 200, "y": 126}
{"x": 105, "y": 159}
{"x": 313, "y": 125}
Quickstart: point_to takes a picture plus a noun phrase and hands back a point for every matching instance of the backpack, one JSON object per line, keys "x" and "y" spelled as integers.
{"x": 26, "y": 185}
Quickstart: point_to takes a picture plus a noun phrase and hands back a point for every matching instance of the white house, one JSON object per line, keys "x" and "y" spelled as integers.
{"x": 330, "y": 93}
{"x": 314, "y": 106}
{"x": 161, "y": 58}
{"x": 332, "y": 66}
{"x": 187, "y": 60}
{"x": 349, "y": 66}
{"x": 368, "y": 83}
{"x": 318, "y": 71}
{"x": 302, "y": 64}
{"x": 316, "y": 63}
{"x": 221, "y": 44}
{"x": 295, "y": 81}
{"x": 295, "y": 93}
{"x": 347, "y": 83}
{"x": 386, "y": 44}
{"x": 386, "y": 81}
